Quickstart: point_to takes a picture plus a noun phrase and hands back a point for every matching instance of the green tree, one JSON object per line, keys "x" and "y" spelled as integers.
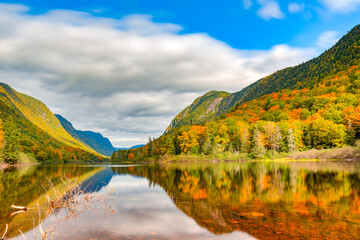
{"x": 11, "y": 139}
{"x": 150, "y": 150}
{"x": 350, "y": 136}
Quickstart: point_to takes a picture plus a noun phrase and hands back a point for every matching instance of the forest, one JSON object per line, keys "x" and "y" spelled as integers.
{"x": 314, "y": 105}
{"x": 325, "y": 116}
{"x": 30, "y": 133}
{"x": 20, "y": 140}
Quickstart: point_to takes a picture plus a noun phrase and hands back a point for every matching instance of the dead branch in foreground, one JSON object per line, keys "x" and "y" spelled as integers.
{"x": 74, "y": 200}
{"x": 71, "y": 198}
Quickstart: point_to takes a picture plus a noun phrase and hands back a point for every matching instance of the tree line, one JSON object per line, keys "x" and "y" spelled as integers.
{"x": 325, "y": 116}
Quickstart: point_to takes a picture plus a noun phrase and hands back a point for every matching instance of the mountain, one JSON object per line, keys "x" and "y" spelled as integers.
{"x": 314, "y": 105}
{"x": 202, "y": 109}
{"x": 342, "y": 56}
{"x": 41, "y": 133}
{"x": 94, "y": 140}
{"x": 40, "y": 115}
{"x": 133, "y": 147}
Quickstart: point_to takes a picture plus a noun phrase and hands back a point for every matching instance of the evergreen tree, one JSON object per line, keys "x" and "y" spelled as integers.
{"x": 113, "y": 156}
{"x": 351, "y": 135}
{"x": 308, "y": 137}
{"x": 11, "y": 138}
{"x": 266, "y": 106}
{"x": 150, "y": 150}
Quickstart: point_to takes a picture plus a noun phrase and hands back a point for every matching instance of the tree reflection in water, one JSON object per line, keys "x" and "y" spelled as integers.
{"x": 266, "y": 200}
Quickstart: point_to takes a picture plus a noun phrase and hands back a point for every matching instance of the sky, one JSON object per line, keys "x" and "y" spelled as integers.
{"x": 126, "y": 68}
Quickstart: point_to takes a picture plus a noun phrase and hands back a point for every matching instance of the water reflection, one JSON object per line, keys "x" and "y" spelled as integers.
{"x": 266, "y": 200}
{"x": 225, "y": 201}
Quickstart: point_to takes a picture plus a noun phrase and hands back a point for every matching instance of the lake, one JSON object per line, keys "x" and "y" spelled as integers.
{"x": 234, "y": 200}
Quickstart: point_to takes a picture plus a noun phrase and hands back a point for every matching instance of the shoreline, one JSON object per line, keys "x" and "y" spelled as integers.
{"x": 4, "y": 166}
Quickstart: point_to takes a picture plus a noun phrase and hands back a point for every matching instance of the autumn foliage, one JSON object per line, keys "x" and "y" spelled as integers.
{"x": 325, "y": 116}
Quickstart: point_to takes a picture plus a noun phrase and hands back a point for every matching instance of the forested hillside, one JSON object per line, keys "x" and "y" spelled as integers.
{"x": 342, "y": 56}
{"x": 202, "y": 109}
{"x": 318, "y": 107}
{"x": 37, "y": 113}
{"x": 94, "y": 140}
{"x": 30, "y": 131}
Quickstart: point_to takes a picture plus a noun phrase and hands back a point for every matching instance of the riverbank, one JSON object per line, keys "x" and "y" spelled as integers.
{"x": 24, "y": 160}
{"x": 4, "y": 166}
{"x": 347, "y": 153}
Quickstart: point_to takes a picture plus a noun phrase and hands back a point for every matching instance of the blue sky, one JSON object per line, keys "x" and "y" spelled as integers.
{"x": 239, "y": 23}
{"x": 126, "y": 68}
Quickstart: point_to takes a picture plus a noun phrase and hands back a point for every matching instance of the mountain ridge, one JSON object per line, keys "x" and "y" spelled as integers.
{"x": 339, "y": 57}
{"x": 39, "y": 134}
{"x": 39, "y": 114}
{"x": 94, "y": 140}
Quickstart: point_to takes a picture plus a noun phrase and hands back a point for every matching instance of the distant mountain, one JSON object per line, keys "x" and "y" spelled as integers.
{"x": 202, "y": 109}
{"x": 133, "y": 147}
{"x": 94, "y": 140}
{"x": 342, "y": 56}
{"x": 41, "y": 133}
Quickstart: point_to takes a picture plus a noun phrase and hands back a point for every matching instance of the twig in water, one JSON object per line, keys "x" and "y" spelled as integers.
{"x": 4, "y": 235}
{"x": 17, "y": 212}
{"x": 22, "y": 234}
{"x": 19, "y": 207}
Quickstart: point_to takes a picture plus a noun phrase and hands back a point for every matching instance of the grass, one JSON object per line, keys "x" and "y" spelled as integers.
{"x": 344, "y": 153}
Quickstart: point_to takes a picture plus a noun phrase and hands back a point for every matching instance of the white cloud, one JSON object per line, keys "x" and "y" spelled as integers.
{"x": 125, "y": 78}
{"x": 296, "y": 7}
{"x": 247, "y": 4}
{"x": 270, "y": 9}
{"x": 343, "y": 6}
{"x": 327, "y": 39}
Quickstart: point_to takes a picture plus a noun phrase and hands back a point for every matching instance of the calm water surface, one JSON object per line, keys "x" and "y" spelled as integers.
{"x": 247, "y": 200}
